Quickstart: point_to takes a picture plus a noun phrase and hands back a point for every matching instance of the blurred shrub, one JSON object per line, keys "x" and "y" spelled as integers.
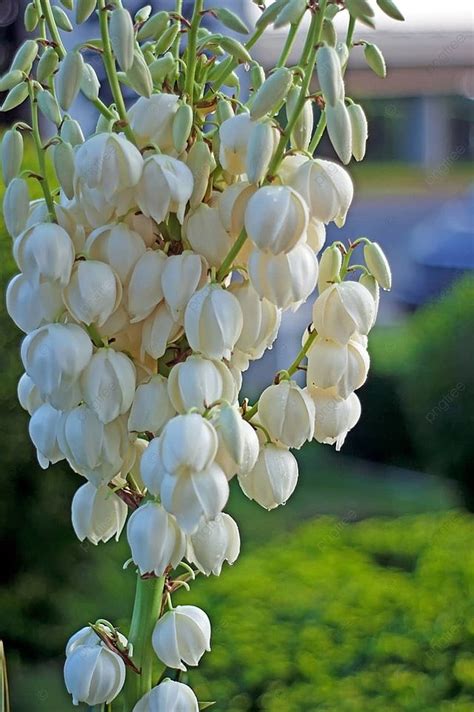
{"x": 345, "y": 617}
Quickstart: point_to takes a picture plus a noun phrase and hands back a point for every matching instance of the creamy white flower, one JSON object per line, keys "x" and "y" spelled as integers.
{"x": 286, "y": 279}
{"x": 84, "y": 636}
{"x": 108, "y": 384}
{"x": 182, "y": 275}
{"x": 213, "y": 321}
{"x": 327, "y": 189}
{"x": 232, "y": 204}
{"x": 95, "y": 450}
{"x": 168, "y": 696}
{"x": 94, "y": 292}
{"x": 188, "y": 443}
{"x": 16, "y": 203}
{"x": 93, "y": 674}
{"x": 44, "y": 251}
{"x": 234, "y": 137}
{"x": 152, "y": 407}
{"x": 70, "y": 220}
{"x": 329, "y": 267}
{"x": 213, "y": 543}
{"x": 28, "y": 394}
{"x": 287, "y": 412}
{"x": 198, "y": 382}
{"x": 334, "y": 416}
{"x": 261, "y": 323}
{"x": 370, "y": 283}
{"x": 97, "y": 514}
{"x": 273, "y": 479}
{"x": 117, "y": 245}
{"x": 54, "y": 357}
{"x": 343, "y": 309}
{"x": 43, "y": 429}
{"x": 159, "y": 330}
{"x": 144, "y": 290}
{"x": 155, "y": 539}
{"x": 316, "y": 234}
{"x": 31, "y": 305}
{"x": 192, "y": 495}
{"x": 206, "y": 234}
{"x": 151, "y": 467}
{"x": 276, "y": 219}
{"x": 238, "y": 442}
{"x": 151, "y": 120}
{"x": 342, "y": 366}
{"x": 182, "y": 636}
{"x": 145, "y": 227}
{"x": 165, "y": 187}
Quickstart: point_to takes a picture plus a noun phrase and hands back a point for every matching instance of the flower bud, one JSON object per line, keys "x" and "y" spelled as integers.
{"x": 328, "y": 34}
{"x": 63, "y": 159}
{"x": 28, "y": 394}
{"x": 201, "y": 225}
{"x": 179, "y": 439}
{"x": 151, "y": 467}
{"x": 343, "y": 367}
{"x": 182, "y": 125}
{"x": 232, "y": 205}
{"x": 390, "y": 9}
{"x": 182, "y": 636}
{"x": 15, "y": 97}
{"x": 139, "y": 77}
{"x": 270, "y": 14}
{"x": 160, "y": 68}
{"x": 330, "y": 266}
{"x": 97, "y": 514}
{"x": 165, "y": 187}
{"x": 48, "y": 106}
{"x": 154, "y": 27}
{"x": 71, "y": 132}
{"x": 340, "y": 130}
{"x": 182, "y": 275}
{"x": 118, "y": 246}
{"x": 291, "y": 13}
{"x": 108, "y": 384}
{"x": 326, "y": 188}
{"x": 273, "y": 479}
{"x": 122, "y": 37}
{"x": 316, "y": 235}
{"x": 287, "y": 412}
{"x": 30, "y": 17}
{"x": 152, "y": 407}
{"x": 25, "y": 56}
{"x": 144, "y": 290}
{"x": 155, "y": 539}
{"x": 375, "y": 59}
{"x": 165, "y": 41}
{"x": 68, "y": 79}
{"x": 286, "y": 279}
{"x": 234, "y": 135}
{"x": 94, "y": 674}
{"x": 343, "y": 53}
{"x": 16, "y": 204}
{"x": 43, "y": 429}
{"x": 378, "y": 265}
{"x": 93, "y": 293}
{"x": 238, "y": 442}
{"x": 329, "y": 75}
{"x": 61, "y": 19}
{"x": 213, "y": 543}
{"x": 11, "y": 154}
{"x": 334, "y": 416}
{"x": 168, "y": 696}
{"x": 261, "y": 322}
{"x": 84, "y": 9}
{"x": 90, "y": 85}
{"x": 201, "y": 163}
{"x": 159, "y": 330}
{"x": 45, "y": 251}
{"x": 359, "y": 130}
{"x": 31, "y": 305}
{"x": 272, "y": 92}
{"x": 303, "y": 129}
{"x": 276, "y": 219}
{"x": 343, "y": 309}
{"x": 213, "y": 321}
{"x": 370, "y": 283}
{"x": 261, "y": 147}
{"x": 198, "y": 382}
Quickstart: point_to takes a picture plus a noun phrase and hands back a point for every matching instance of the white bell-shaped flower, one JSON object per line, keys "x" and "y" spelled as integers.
{"x": 54, "y": 357}
{"x": 145, "y": 227}
{"x": 232, "y": 205}
{"x": 118, "y": 246}
{"x": 342, "y": 310}
{"x": 182, "y": 636}
{"x": 43, "y": 429}
{"x": 151, "y": 407}
{"x": 86, "y": 636}
{"x": 262, "y": 321}
{"x": 144, "y": 291}
{"x": 31, "y": 305}
{"x": 238, "y": 442}
{"x": 198, "y": 382}
{"x": 276, "y": 219}
{"x": 234, "y": 137}
{"x": 97, "y": 514}
{"x": 207, "y": 235}
{"x": 151, "y": 467}
{"x": 94, "y": 292}
{"x": 188, "y": 444}
{"x": 108, "y": 384}
{"x": 151, "y": 120}
{"x": 94, "y": 674}
{"x": 334, "y": 416}
{"x": 28, "y": 394}
{"x": 182, "y": 275}
{"x": 213, "y": 321}
{"x": 165, "y": 187}
{"x": 194, "y": 495}
{"x": 160, "y": 328}
{"x": 213, "y": 543}
{"x": 287, "y": 412}
{"x": 316, "y": 234}
{"x": 45, "y": 251}
{"x": 155, "y": 539}
{"x": 326, "y": 188}
{"x": 95, "y": 450}
{"x": 286, "y": 280}
{"x": 107, "y": 170}
{"x": 273, "y": 479}
{"x": 168, "y": 696}
{"x": 342, "y": 366}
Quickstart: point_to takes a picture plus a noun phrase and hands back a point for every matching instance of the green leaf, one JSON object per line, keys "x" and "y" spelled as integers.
{"x": 390, "y": 9}
{"x": 230, "y": 20}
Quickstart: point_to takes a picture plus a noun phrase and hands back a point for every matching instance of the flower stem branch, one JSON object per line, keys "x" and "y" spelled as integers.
{"x": 287, "y": 47}
{"x": 230, "y": 257}
{"x": 40, "y": 153}
{"x": 191, "y": 51}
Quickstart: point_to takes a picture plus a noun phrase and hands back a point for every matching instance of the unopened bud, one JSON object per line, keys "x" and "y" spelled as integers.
{"x": 139, "y": 76}
{"x": 122, "y": 37}
{"x": 260, "y": 151}
{"x": 303, "y": 129}
{"x": 68, "y": 4}
{"x": 11, "y": 154}
{"x": 236, "y": 49}
{"x": 161, "y": 67}
{"x": 84, "y": 9}
{"x": 329, "y": 74}
{"x": 71, "y": 132}
{"x": 272, "y": 92}
{"x": 224, "y": 110}
{"x": 270, "y": 14}
{"x": 361, "y": 9}
{"x": 90, "y": 84}
{"x": 201, "y": 163}
{"x": 371, "y": 284}
{"x": 15, "y": 97}
{"x": 329, "y": 267}
{"x": 16, "y": 205}
{"x": 154, "y": 27}
{"x": 63, "y": 159}
{"x": 359, "y": 130}
{"x": 340, "y": 130}
{"x": 61, "y": 19}
{"x": 143, "y": 14}
{"x": 48, "y": 106}
{"x": 47, "y": 65}
{"x": 329, "y": 35}
{"x": 378, "y": 265}
{"x": 390, "y": 9}
{"x": 291, "y": 13}
{"x": 26, "y": 55}
{"x": 30, "y": 17}
{"x": 182, "y": 125}
{"x": 343, "y": 53}
{"x": 257, "y": 76}
{"x": 375, "y": 59}
{"x": 68, "y": 79}
{"x": 11, "y": 79}
{"x": 167, "y": 38}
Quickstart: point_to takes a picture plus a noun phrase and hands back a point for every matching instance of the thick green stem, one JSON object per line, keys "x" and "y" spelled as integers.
{"x": 175, "y": 47}
{"x": 191, "y": 50}
{"x": 40, "y": 153}
{"x": 230, "y": 257}
{"x": 318, "y": 134}
{"x": 287, "y": 47}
